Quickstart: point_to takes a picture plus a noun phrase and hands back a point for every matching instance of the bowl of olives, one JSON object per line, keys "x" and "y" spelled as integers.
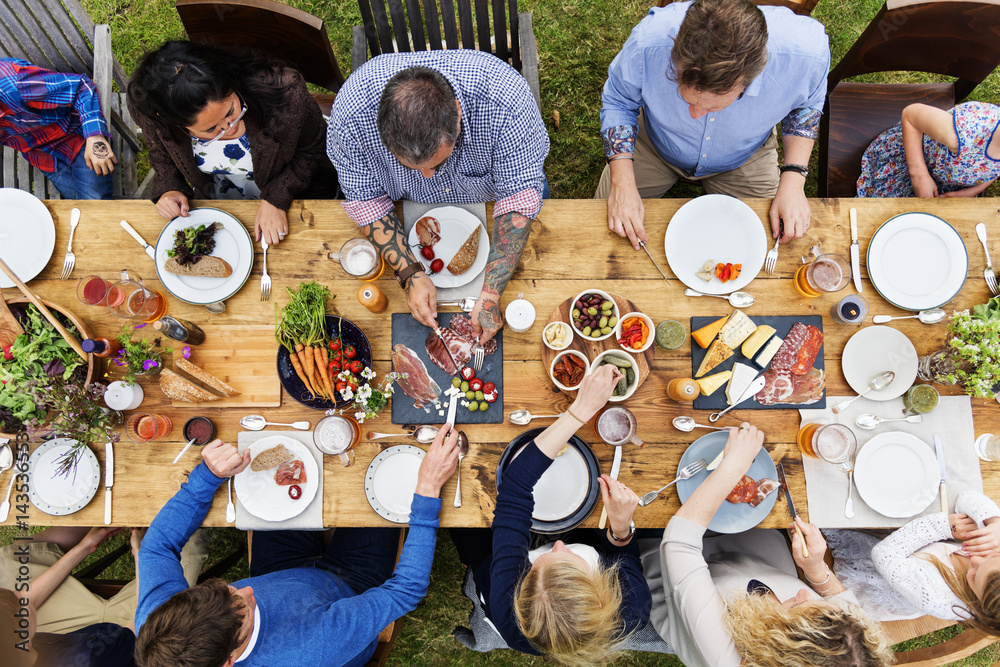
{"x": 594, "y": 314}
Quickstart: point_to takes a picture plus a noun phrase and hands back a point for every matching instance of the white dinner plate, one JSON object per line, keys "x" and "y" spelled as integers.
{"x": 917, "y": 261}
{"x": 27, "y": 234}
{"x": 391, "y": 480}
{"x": 562, "y": 488}
{"x": 873, "y": 350}
{"x": 232, "y": 243}
{"x": 457, "y": 225}
{"x": 57, "y": 494}
{"x": 718, "y": 228}
{"x": 263, "y": 497}
{"x": 897, "y": 474}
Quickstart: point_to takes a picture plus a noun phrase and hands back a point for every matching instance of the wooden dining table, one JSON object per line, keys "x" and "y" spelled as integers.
{"x": 570, "y": 249}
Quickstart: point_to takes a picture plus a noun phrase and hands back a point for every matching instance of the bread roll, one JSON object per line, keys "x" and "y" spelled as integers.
{"x": 208, "y": 266}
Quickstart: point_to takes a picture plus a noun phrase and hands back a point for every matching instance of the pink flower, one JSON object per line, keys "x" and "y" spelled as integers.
{"x": 140, "y": 325}
{"x": 149, "y": 363}
{"x": 187, "y": 352}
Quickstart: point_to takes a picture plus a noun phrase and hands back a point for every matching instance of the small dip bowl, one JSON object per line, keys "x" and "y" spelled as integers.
{"x": 199, "y": 429}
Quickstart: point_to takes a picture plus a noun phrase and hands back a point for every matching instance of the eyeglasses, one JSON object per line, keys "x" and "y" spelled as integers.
{"x": 229, "y": 126}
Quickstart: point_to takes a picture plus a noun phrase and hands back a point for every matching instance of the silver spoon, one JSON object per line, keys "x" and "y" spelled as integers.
{"x": 463, "y": 449}
{"x": 932, "y": 316}
{"x": 522, "y": 417}
{"x": 878, "y": 381}
{"x": 423, "y": 434}
{"x": 257, "y": 423}
{"x": 6, "y": 461}
{"x": 466, "y": 304}
{"x": 685, "y": 472}
{"x": 736, "y": 299}
{"x": 687, "y": 424}
{"x": 870, "y": 421}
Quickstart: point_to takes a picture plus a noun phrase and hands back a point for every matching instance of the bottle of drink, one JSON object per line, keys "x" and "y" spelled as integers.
{"x": 100, "y": 347}
{"x": 180, "y": 330}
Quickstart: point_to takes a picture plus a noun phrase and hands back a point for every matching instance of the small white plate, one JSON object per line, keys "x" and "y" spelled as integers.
{"x": 391, "y": 480}
{"x": 60, "y": 495}
{"x": 562, "y": 488}
{"x": 232, "y": 243}
{"x": 264, "y": 498}
{"x": 719, "y": 228}
{"x": 456, "y": 227}
{"x": 897, "y": 474}
{"x": 27, "y": 234}
{"x": 873, "y": 350}
{"x": 917, "y": 261}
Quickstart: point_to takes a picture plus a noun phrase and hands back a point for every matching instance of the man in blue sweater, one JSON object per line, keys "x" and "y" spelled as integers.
{"x": 304, "y": 603}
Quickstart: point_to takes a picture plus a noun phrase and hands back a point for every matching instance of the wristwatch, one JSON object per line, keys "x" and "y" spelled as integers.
{"x": 404, "y": 274}
{"x": 631, "y": 532}
{"x": 797, "y": 168}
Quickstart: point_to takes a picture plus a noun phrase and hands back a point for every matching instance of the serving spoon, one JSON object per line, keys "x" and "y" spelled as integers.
{"x": 687, "y": 424}
{"x": 257, "y": 423}
{"x": 423, "y": 434}
{"x": 932, "y": 316}
{"x": 870, "y": 421}
{"x": 736, "y": 299}
{"x": 522, "y": 417}
{"x": 877, "y": 382}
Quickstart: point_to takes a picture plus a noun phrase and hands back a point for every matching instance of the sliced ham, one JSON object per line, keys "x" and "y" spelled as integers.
{"x": 428, "y": 230}
{"x": 784, "y": 387}
{"x": 450, "y": 348}
{"x": 765, "y": 487}
{"x": 417, "y": 384}
{"x": 290, "y": 472}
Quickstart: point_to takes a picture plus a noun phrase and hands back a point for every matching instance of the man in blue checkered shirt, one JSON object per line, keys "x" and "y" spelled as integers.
{"x": 456, "y": 126}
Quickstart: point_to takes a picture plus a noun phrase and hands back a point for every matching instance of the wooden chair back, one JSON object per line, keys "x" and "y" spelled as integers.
{"x": 803, "y": 7}
{"x": 957, "y": 38}
{"x": 944, "y": 653}
{"x": 285, "y": 33}
{"x": 60, "y": 35}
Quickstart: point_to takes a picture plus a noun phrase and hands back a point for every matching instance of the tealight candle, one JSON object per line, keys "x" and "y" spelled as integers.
{"x": 520, "y": 314}
{"x": 120, "y": 396}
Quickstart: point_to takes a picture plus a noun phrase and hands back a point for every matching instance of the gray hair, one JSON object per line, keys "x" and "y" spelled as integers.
{"x": 417, "y": 114}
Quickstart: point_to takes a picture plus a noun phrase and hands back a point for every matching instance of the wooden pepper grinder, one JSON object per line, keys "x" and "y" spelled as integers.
{"x": 683, "y": 389}
{"x": 371, "y": 297}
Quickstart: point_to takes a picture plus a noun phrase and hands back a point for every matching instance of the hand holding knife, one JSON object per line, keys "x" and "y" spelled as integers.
{"x": 791, "y": 509}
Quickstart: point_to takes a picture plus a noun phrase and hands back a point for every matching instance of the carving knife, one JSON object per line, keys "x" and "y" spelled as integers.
{"x": 616, "y": 465}
{"x": 791, "y": 508}
{"x": 134, "y": 234}
{"x": 855, "y": 251}
{"x": 109, "y": 479}
{"x": 939, "y": 450}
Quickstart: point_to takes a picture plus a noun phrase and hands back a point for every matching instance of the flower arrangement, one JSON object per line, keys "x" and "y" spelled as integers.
{"x": 972, "y": 356}
{"x": 138, "y": 357}
{"x": 369, "y": 400}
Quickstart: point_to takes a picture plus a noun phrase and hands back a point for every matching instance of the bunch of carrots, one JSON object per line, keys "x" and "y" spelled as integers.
{"x": 301, "y": 329}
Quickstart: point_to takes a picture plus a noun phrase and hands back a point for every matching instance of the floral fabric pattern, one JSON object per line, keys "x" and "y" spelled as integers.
{"x": 620, "y": 139}
{"x": 884, "y": 172}
{"x": 801, "y": 123}
{"x": 230, "y": 165}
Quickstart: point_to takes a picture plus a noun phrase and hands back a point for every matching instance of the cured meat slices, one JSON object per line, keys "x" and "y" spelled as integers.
{"x": 417, "y": 384}
{"x": 744, "y": 491}
{"x": 450, "y": 348}
{"x": 799, "y": 351}
{"x": 290, "y": 472}
{"x": 784, "y": 387}
{"x": 428, "y": 230}
{"x": 765, "y": 487}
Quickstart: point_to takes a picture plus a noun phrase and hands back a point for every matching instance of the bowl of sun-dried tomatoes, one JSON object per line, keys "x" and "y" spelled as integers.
{"x": 568, "y": 369}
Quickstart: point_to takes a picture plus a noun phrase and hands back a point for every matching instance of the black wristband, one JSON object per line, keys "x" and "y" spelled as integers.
{"x": 797, "y": 168}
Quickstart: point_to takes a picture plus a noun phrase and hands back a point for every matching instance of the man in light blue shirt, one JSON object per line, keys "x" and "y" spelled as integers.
{"x": 696, "y": 93}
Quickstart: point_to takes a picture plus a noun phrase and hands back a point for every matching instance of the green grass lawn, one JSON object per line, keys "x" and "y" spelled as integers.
{"x": 576, "y": 40}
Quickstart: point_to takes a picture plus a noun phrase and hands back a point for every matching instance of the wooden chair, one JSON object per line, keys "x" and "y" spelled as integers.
{"x": 803, "y": 7}
{"x": 59, "y": 35}
{"x": 951, "y": 650}
{"x": 285, "y": 33}
{"x": 389, "y": 27}
{"x": 950, "y": 37}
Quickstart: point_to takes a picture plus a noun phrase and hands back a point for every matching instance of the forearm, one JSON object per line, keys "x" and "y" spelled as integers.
{"x": 973, "y": 191}
{"x": 707, "y": 498}
{"x": 388, "y": 236}
{"x": 797, "y": 150}
{"x": 913, "y": 146}
{"x": 47, "y": 582}
{"x": 510, "y": 236}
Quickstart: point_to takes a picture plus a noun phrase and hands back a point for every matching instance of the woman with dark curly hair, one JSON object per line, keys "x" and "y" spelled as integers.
{"x": 230, "y": 125}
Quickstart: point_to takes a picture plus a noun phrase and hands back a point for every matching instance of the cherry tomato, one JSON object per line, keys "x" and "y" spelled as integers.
{"x": 333, "y": 366}
{"x": 437, "y": 266}
{"x": 488, "y": 387}
{"x": 350, "y": 352}
{"x": 468, "y": 373}
{"x": 294, "y": 492}
{"x": 357, "y": 366}
{"x": 335, "y": 344}
{"x": 353, "y": 385}
{"x": 7, "y": 353}
{"x": 475, "y": 384}
{"x": 341, "y": 385}
{"x": 427, "y": 252}
{"x": 338, "y": 356}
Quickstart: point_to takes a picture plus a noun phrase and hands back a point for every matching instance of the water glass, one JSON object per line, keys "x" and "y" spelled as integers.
{"x": 93, "y": 290}
{"x": 145, "y": 427}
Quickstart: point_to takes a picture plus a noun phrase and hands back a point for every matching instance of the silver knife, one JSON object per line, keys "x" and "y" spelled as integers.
{"x": 855, "y": 251}
{"x": 134, "y": 234}
{"x": 616, "y": 465}
{"x": 452, "y": 409}
{"x": 755, "y": 386}
{"x": 791, "y": 508}
{"x": 643, "y": 246}
{"x": 109, "y": 479}
{"x": 939, "y": 450}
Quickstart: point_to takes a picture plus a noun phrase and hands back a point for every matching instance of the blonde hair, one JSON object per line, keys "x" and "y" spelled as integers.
{"x": 770, "y": 635}
{"x": 982, "y": 614}
{"x": 570, "y": 614}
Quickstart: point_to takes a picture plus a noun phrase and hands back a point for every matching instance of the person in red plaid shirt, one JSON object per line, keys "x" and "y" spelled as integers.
{"x": 55, "y": 120}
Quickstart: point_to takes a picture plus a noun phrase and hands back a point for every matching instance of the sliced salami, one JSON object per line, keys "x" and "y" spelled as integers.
{"x": 744, "y": 491}
{"x": 806, "y": 355}
{"x": 786, "y": 356}
{"x": 462, "y": 325}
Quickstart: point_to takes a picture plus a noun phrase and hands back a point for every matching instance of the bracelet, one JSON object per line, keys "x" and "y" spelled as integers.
{"x": 829, "y": 573}
{"x": 569, "y": 411}
{"x": 621, "y": 157}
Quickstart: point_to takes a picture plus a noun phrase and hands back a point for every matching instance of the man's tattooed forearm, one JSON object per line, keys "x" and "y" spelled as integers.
{"x": 101, "y": 149}
{"x": 387, "y": 235}
{"x": 510, "y": 235}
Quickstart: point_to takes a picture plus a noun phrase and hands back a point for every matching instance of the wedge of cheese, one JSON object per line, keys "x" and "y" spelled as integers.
{"x": 743, "y": 375}
{"x": 737, "y": 329}
{"x": 764, "y": 356}
{"x": 704, "y": 335}
{"x": 717, "y": 353}
{"x": 711, "y": 384}
{"x": 756, "y": 340}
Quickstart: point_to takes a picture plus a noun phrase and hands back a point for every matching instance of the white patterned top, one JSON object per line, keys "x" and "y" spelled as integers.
{"x": 230, "y": 165}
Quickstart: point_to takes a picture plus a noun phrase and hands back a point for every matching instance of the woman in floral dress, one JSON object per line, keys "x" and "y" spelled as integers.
{"x": 230, "y": 125}
{"x": 934, "y": 153}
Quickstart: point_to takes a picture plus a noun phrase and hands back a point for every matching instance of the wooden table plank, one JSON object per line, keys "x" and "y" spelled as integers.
{"x": 560, "y": 261}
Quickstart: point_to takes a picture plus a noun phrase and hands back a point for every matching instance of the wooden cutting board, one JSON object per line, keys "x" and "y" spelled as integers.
{"x": 242, "y": 356}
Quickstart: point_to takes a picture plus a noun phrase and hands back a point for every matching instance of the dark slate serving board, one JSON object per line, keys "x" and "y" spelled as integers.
{"x": 412, "y": 334}
{"x": 782, "y": 325}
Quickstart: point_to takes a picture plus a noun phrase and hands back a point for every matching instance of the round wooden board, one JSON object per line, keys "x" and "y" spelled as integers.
{"x": 592, "y": 348}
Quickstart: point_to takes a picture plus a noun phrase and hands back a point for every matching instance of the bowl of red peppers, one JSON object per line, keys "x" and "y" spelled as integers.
{"x": 634, "y": 332}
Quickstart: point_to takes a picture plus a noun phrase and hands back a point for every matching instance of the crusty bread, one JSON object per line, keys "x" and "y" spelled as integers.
{"x": 178, "y": 389}
{"x": 208, "y": 266}
{"x": 466, "y": 255}
{"x": 204, "y": 376}
{"x": 270, "y": 458}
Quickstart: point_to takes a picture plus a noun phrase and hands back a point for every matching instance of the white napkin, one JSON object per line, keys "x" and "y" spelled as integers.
{"x": 413, "y": 211}
{"x": 311, "y": 517}
{"x": 826, "y": 484}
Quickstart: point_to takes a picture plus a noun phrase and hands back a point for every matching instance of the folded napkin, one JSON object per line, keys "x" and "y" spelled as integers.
{"x": 826, "y": 484}
{"x": 413, "y": 211}
{"x": 311, "y": 517}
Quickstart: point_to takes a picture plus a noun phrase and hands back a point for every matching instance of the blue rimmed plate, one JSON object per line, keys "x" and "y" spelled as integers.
{"x": 57, "y": 494}
{"x": 391, "y": 480}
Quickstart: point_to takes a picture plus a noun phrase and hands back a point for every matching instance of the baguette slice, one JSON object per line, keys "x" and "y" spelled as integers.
{"x": 178, "y": 389}
{"x": 466, "y": 255}
{"x": 270, "y": 458}
{"x": 206, "y": 377}
{"x": 208, "y": 266}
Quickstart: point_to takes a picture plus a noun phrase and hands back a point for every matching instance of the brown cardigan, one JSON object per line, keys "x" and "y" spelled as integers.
{"x": 293, "y": 166}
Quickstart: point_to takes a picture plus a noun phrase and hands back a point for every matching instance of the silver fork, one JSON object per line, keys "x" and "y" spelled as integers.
{"x": 70, "y": 261}
{"x": 265, "y": 280}
{"x": 771, "y": 259}
{"x": 685, "y": 472}
{"x": 478, "y": 355}
{"x": 989, "y": 273}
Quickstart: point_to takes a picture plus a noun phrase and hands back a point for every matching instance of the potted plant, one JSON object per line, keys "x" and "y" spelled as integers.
{"x": 971, "y": 358}
{"x": 138, "y": 357}
{"x": 369, "y": 399}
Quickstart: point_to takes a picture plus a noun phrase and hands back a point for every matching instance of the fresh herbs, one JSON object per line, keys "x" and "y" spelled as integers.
{"x": 74, "y": 411}
{"x": 972, "y": 359}
{"x": 302, "y": 331}
{"x": 138, "y": 357}
{"x": 191, "y": 242}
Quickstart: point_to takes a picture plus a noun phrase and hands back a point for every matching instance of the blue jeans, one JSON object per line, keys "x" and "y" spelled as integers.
{"x": 363, "y": 558}
{"x": 78, "y": 181}
{"x": 545, "y": 187}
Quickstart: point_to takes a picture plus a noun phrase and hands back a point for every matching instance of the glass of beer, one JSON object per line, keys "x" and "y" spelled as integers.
{"x": 131, "y": 299}
{"x": 826, "y": 274}
{"x": 359, "y": 258}
{"x": 834, "y": 443}
{"x": 337, "y": 435}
